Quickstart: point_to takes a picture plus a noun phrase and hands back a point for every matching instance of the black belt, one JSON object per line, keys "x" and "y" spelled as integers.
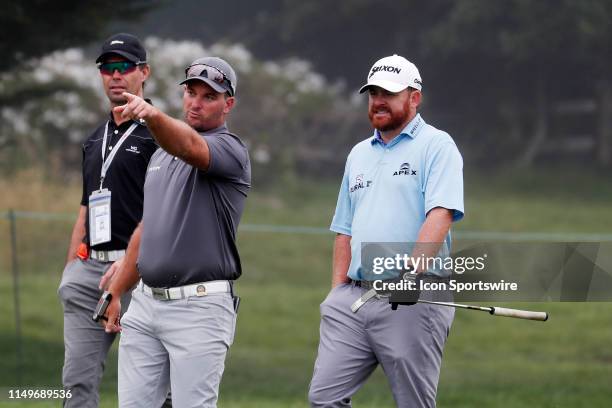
{"x": 370, "y": 284}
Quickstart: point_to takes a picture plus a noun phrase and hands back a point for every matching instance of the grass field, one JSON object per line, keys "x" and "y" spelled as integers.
{"x": 488, "y": 362}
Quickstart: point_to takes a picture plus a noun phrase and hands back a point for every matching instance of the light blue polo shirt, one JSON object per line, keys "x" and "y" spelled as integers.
{"x": 388, "y": 189}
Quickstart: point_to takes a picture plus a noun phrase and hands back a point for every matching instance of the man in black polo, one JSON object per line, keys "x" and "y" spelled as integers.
{"x": 115, "y": 159}
{"x": 181, "y": 320}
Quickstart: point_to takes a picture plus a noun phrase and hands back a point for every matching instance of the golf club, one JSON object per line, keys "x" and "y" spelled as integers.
{"x": 496, "y": 311}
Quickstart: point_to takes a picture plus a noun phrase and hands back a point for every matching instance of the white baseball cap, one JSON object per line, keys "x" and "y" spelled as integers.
{"x": 394, "y": 73}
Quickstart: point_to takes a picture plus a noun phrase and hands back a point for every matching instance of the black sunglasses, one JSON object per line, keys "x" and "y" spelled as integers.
{"x": 124, "y": 67}
{"x": 212, "y": 73}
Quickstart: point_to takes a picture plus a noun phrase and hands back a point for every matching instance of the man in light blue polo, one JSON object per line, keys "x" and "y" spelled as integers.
{"x": 403, "y": 184}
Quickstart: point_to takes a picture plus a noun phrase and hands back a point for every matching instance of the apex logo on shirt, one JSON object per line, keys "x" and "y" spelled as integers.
{"x": 360, "y": 183}
{"x": 405, "y": 170}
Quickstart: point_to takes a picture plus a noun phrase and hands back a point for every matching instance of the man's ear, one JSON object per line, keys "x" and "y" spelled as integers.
{"x": 146, "y": 71}
{"x": 415, "y": 98}
{"x": 229, "y": 104}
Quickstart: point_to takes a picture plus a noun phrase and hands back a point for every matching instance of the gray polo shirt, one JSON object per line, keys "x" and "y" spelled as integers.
{"x": 190, "y": 216}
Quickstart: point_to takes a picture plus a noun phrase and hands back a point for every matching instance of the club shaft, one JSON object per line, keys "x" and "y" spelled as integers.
{"x": 457, "y": 305}
{"x": 496, "y": 311}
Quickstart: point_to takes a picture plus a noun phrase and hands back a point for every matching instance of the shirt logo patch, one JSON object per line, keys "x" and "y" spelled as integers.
{"x": 133, "y": 149}
{"x": 405, "y": 170}
{"x": 360, "y": 183}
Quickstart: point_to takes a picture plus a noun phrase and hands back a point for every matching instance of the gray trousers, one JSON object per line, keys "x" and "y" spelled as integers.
{"x": 178, "y": 342}
{"x": 407, "y": 342}
{"x": 85, "y": 342}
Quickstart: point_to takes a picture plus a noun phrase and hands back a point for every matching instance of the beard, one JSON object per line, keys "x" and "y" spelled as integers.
{"x": 393, "y": 121}
{"x": 197, "y": 125}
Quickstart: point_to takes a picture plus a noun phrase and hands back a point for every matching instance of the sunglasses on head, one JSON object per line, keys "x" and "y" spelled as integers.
{"x": 206, "y": 71}
{"x": 123, "y": 67}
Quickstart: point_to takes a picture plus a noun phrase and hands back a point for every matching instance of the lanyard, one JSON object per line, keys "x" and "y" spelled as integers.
{"x": 107, "y": 162}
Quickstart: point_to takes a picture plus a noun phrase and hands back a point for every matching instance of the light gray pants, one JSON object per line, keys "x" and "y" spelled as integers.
{"x": 407, "y": 342}
{"x": 86, "y": 344}
{"x": 178, "y": 342}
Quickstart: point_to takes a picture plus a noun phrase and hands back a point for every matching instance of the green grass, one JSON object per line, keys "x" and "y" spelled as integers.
{"x": 562, "y": 200}
{"x": 488, "y": 362}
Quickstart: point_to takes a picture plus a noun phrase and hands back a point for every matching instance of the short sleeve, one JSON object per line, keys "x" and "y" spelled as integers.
{"x": 343, "y": 217}
{"x": 444, "y": 183}
{"x": 229, "y": 158}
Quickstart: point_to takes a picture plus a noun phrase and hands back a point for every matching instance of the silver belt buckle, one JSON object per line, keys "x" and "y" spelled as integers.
{"x": 160, "y": 293}
{"x": 101, "y": 256}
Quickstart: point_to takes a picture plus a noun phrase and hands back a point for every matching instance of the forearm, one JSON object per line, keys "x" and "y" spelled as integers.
{"x": 432, "y": 233}
{"x": 78, "y": 233}
{"x": 174, "y": 136}
{"x": 342, "y": 259}
{"x": 128, "y": 275}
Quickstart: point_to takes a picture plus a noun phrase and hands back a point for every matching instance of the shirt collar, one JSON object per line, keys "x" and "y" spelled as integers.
{"x": 124, "y": 125}
{"x": 411, "y": 130}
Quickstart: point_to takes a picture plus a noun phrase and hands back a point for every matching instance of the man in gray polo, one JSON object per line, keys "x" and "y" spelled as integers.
{"x": 181, "y": 320}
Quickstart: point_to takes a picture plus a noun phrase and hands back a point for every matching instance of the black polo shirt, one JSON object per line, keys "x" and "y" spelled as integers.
{"x": 191, "y": 216}
{"x": 124, "y": 178}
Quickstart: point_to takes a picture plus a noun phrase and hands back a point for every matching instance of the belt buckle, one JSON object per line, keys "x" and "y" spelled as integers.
{"x": 160, "y": 293}
{"x": 101, "y": 256}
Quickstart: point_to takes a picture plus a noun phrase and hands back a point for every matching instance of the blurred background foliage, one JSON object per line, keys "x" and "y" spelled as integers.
{"x": 521, "y": 83}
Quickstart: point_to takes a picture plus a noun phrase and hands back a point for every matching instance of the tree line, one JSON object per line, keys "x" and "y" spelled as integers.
{"x": 520, "y": 82}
